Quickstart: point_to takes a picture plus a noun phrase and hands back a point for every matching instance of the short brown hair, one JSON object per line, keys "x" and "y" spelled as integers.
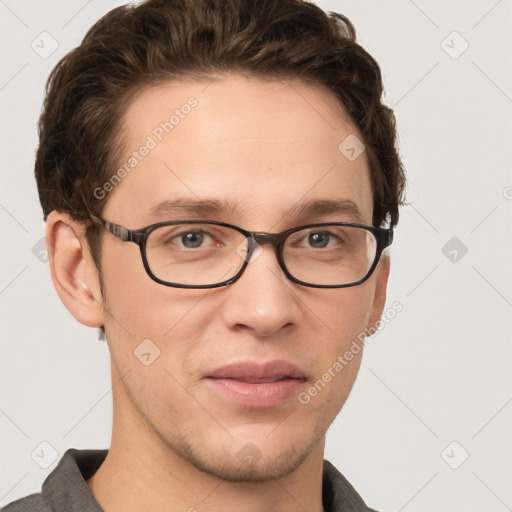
{"x": 161, "y": 40}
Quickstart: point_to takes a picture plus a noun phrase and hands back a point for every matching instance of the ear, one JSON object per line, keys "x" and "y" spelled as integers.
{"x": 381, "y": 283}
{"x": 74, "y": 273}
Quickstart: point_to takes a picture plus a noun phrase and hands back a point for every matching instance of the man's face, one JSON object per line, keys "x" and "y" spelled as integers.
{"x": 264, "y": 147}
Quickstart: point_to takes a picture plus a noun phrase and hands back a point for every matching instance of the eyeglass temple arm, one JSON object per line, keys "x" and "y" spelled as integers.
{"x": 120, "y": 232}
{"x": 390, "y": 236}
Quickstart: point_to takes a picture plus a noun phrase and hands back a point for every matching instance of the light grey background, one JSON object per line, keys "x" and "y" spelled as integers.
{"x": 439, "y": 372}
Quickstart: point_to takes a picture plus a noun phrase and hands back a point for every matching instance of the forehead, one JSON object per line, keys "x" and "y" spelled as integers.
{"x": 265, "y": 146}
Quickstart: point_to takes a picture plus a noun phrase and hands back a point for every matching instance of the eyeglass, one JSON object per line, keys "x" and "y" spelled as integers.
{"x": 210, "y": 254}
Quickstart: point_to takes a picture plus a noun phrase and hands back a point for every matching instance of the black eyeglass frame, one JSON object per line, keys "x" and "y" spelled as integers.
{"x": 383, "y": 236}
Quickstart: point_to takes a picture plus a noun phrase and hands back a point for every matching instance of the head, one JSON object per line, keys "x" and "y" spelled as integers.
{"x": 241, "y": 108}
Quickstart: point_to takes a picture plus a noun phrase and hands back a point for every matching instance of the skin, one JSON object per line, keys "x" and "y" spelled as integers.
{"x": 175, "y": 441}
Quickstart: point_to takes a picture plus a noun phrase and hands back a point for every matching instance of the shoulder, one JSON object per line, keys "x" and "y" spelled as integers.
{"x": 338, "y": 493}
{"x": 31, "y": 503}
{"x": 65, "y": 488}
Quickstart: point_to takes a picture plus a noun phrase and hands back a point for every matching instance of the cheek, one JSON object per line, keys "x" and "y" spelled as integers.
{"x": 345, "y": 312}
{"x": 134, "y": 301}
{"x": 139, "y": 309}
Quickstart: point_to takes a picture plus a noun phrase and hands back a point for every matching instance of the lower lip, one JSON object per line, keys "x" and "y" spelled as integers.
{"x": 263, "y": 394}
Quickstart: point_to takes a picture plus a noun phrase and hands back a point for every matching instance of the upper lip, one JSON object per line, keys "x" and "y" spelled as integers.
{"x": 253, "y": 371}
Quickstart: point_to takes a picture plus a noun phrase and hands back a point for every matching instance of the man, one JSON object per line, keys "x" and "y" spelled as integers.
{"x": 220, "y": 182}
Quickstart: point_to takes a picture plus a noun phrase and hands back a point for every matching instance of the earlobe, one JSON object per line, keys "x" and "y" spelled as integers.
{"x": 70, "y": 264}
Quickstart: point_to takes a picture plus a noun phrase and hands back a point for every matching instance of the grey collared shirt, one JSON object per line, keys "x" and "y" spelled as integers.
{"x": 65, "y": 489}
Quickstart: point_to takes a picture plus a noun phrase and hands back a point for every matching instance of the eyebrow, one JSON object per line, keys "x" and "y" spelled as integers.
{"x": 326, "y": 207}
{"x": 206, "y": 208}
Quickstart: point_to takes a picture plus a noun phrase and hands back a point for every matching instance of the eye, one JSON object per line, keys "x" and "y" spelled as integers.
{"x": 183, "y": 237}
{"x": 319, "y": 239}
{"x": 192, "y": 239}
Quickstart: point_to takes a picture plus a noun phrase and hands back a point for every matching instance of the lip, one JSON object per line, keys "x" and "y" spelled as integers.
{"x": 254, "y": 384}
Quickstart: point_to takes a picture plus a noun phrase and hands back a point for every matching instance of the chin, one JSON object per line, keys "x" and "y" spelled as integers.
{"x": 249, "y": 463}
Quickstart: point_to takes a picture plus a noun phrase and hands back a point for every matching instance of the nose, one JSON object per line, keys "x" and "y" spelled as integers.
{"x": 263, "y": 300}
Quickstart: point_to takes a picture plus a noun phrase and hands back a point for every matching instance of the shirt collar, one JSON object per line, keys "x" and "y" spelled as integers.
{"x": 66, "y": 487}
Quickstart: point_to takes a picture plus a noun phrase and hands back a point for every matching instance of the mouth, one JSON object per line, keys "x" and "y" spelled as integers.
{"x": 260, "y": 381}
{"x": 253, "y": 384}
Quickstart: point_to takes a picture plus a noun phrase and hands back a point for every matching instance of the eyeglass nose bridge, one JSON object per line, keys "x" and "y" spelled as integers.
{"x": 256, "y": 239}
{"x": 267, "y": 238}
